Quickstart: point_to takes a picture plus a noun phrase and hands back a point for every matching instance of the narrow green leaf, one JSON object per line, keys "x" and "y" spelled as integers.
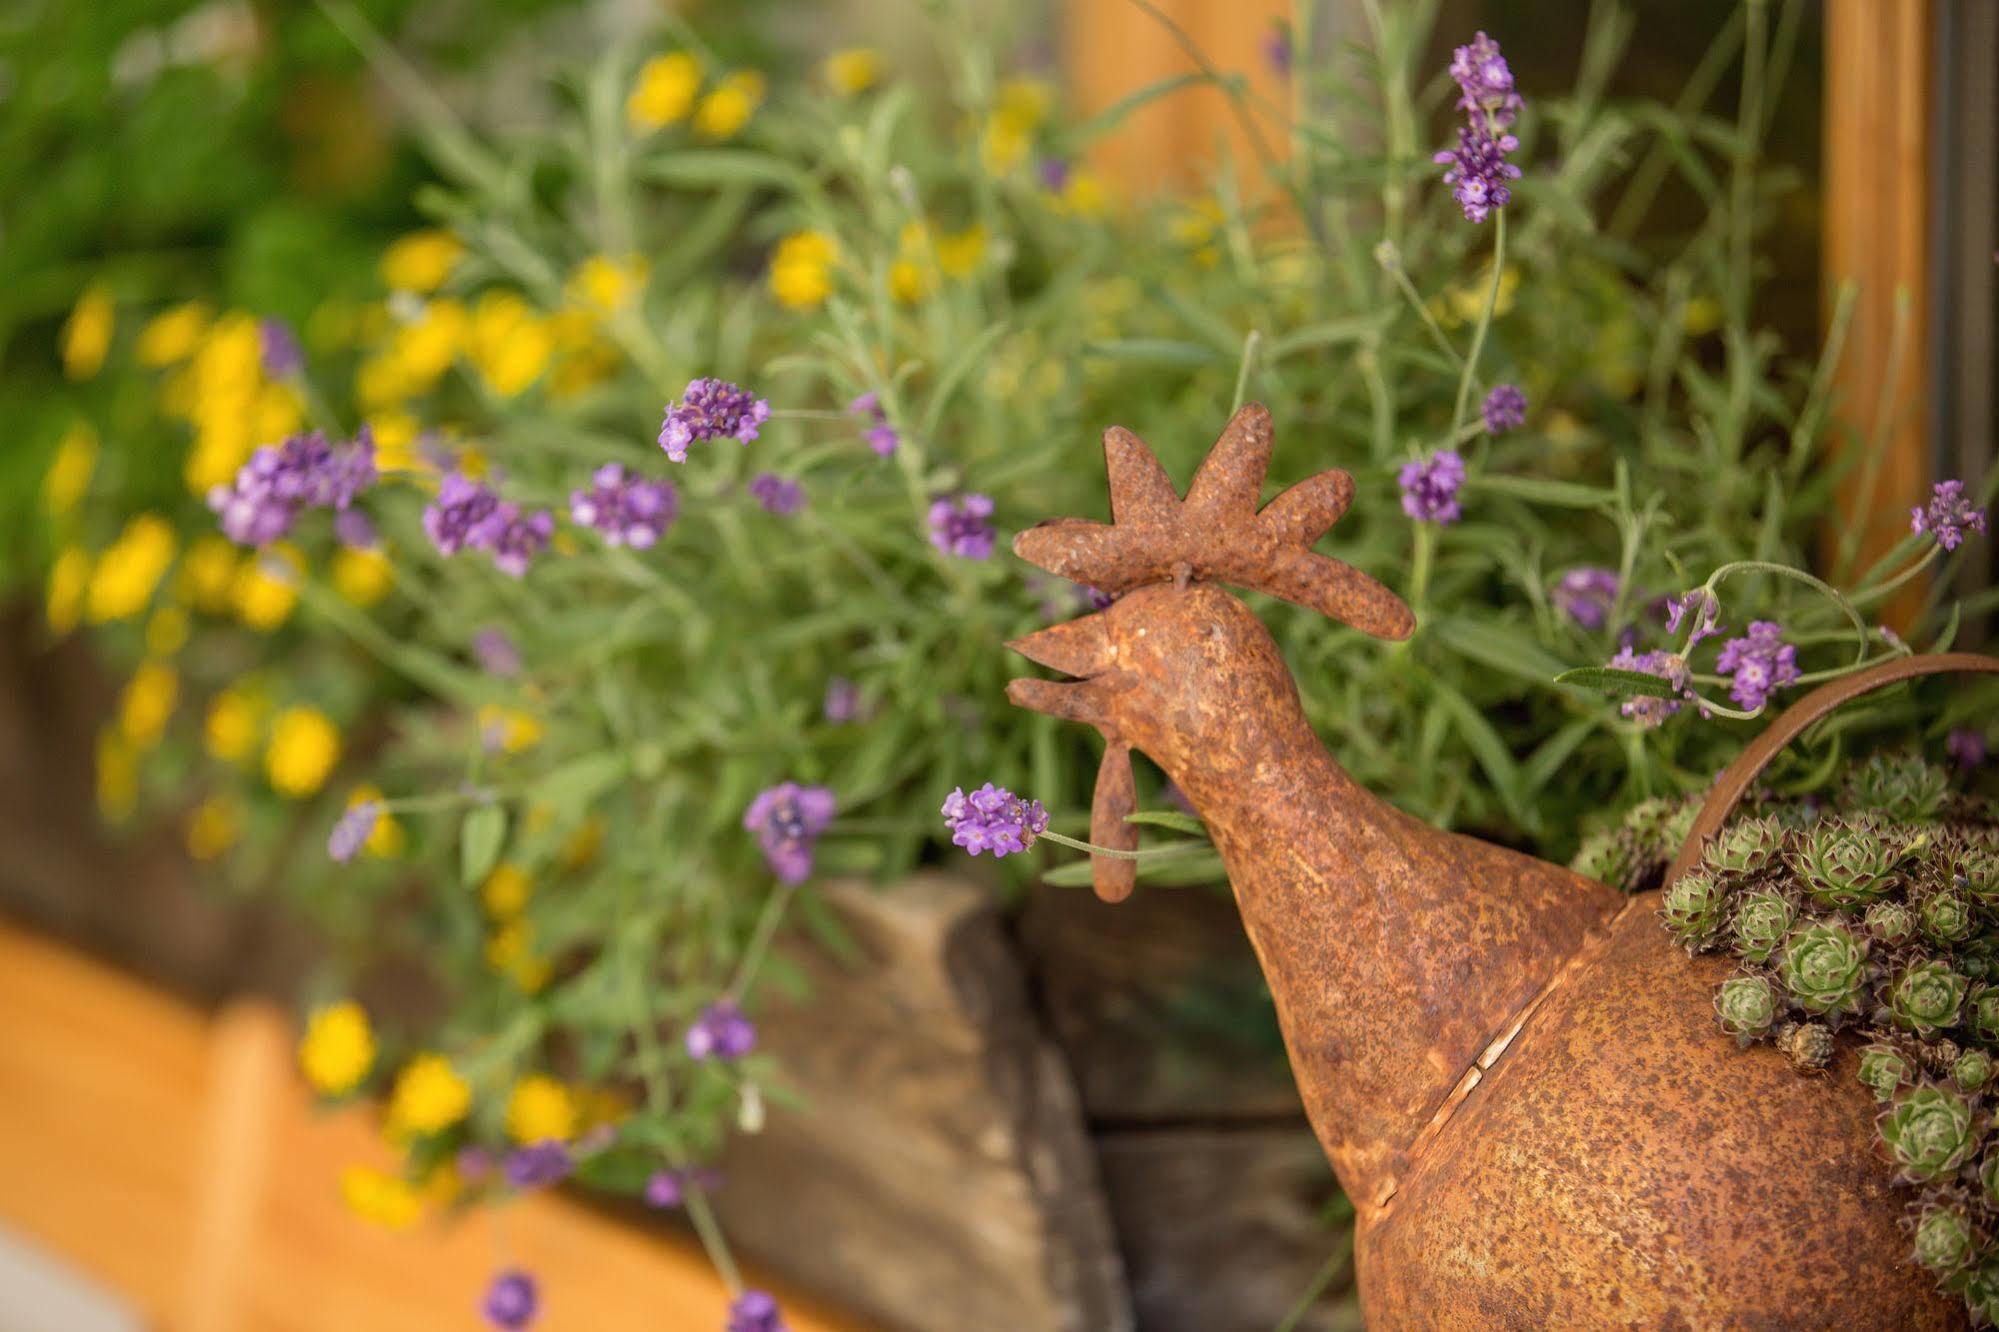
{"x": 1616, "y": 683}
{"x": 479, "y": 841}
{"x": 1167, "y": 818}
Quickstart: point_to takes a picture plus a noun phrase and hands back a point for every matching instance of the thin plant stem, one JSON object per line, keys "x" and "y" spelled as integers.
{"x": 1484, "y": 320}
{"x": 1113, "y": 853}
{"x": 768, "y": 920}
{"x": 1249, "y": 348}
{"x": 1334, "y": 1264}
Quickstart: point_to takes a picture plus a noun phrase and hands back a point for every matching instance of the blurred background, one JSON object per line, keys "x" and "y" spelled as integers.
{"x": 1133, "y": 1152}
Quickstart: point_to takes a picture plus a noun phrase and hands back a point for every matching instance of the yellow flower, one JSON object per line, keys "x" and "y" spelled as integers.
{"x": 507, "y": 343}
{"x": 1017, "y": 112}
{"x": 1561, "y": 427}
{"x": 603, "y": 285}
{"x": 395, "y": 443}
{"x": 852, "y": 71}
{"x": 540, "y": 1108}
{"x": 601, "y": 1106}
{"x": 581, "y": 847}
{"x": 304, "y": 747}
{"x": 801, "y": 270}
{"x": 266, "y": 588}
{"x": 208, "y": 574}
{"x": 338, "y": 1048}
{"x": 213, "y": 828}
{"x": 959, "y": 255}
{"x": 68, "y": 477}
{"x": 278, "y": 412}
{"x": 425, "y": 347}
{"x": 362, "y": 575}
{"x": 385, "y": 839}
{"x": 429, "y": 1097}
{"x": 510, "y": 952}
{"x": 906, "y": 282}
{"x": 1084, "y": 194}
{"x": 1023, "y": 102}
{"x": 68, "y": 577}
{"x": 1198, "y": 224}
{"x": 86, "y": 336}
{"x": 172, "y": 335}
{"x": 129, "y": 569}
{"x": 506, "y": 891}
{"x": 1463, "y": 304}
{"x": 664, "y": 92}
{"x": 117, "y": 775}
{"x": 421, "y": 261}
{"x": 731, "y": 105}
{"x": 509, "y": 728}
{"x": 383, "y": 1199}
{"x": 380, "y": 383}
{"x": 229, "y": 366}
{"x": 166, "y": 632}
{"x": 1701, "y": 316}
{"x": 235, "y": 721}
{"x": 147, "y": 703}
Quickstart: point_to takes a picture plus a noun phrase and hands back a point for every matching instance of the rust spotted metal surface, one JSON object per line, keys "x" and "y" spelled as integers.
{"x": 1516, "y": 1076}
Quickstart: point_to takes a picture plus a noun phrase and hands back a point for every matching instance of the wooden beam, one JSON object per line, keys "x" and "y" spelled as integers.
{"x": 1877, "y": 234}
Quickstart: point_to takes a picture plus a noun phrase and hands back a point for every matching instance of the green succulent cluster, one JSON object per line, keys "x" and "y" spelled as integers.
{"x": 1880, "y": 920}
{"x": 1634, "y": 854}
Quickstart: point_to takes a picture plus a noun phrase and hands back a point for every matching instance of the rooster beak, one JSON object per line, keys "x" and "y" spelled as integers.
{"x": 1079, "y": 648}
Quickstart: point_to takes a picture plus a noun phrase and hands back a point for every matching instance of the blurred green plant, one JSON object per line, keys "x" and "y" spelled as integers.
{"x": 544, "y": 780}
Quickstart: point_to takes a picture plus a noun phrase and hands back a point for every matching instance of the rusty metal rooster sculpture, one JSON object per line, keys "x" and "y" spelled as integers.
{"x": 1516, "y": 1076}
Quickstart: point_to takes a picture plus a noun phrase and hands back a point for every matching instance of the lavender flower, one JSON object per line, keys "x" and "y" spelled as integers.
{"x": 711, "y": 409}
{"x": 538, "y": 1165}
{"x": 1585, "y": 595}
{"x": 778, "y": 494}
{"x": 514, "y": 537}
{"x": 1479, "y": 171}
{"x": 1485, "y": 83}
{"x": 1706, "y": 609}
{"x": 510, "y": 1301}
{"x": 669, "y": 1188}
{"x": 352, "y": 830}
{"x": 460, "y": 515}
{"x": 755, "y": 1311}
{"x": 788, "y": 819}
{"x": 843, "y": 700}
{"x": 1667, "y": 666}
{"x": 1948, "y": 516}
{"x": 1054, "y": 175}
{"x": 496, "y": 653}
{"x": 1758, "y": 664}
{"x": 278, "y": 482}
{"x": 880, "y": 434}
{"x": 960, "y": 527}
{"x": 278, "y": 349}
{"x": 1966, "y": 747}
{"x": 721, "y": 1032}
{"x": 1277, "y": 50}
{"x": 354, "y": 529}
{"x": 629, "y": 510}
{"x": 1430, "y": 487}
{"x": 1505, "y": 409}
{"x": 993, "y": 819}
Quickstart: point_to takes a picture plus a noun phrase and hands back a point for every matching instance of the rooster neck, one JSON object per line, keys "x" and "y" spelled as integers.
{"x": 1397, "y": 954}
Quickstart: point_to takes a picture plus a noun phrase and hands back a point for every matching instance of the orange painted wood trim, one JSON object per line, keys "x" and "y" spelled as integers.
{"x": 1877, "y": 152}
{"x": 179, "y": 1161}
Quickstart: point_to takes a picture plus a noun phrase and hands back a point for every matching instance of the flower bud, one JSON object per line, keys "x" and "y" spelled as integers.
{"x": 1808, "y": 1045}
{"x": 1883, "y": 1069}
{"x": 1746, "y": 1006}
{"x": 1761, "y": 922}
{"x": 1926, "y": 998}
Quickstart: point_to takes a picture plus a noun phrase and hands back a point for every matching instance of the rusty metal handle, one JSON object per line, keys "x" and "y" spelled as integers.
{"x": 1748, "y": 766}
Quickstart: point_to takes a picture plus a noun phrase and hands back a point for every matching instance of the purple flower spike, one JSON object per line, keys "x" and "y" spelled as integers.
{"x": 1706, "y": 610}
{"x": 460, "y": 515}
{"x": 1277, "y": 50}
{"x": 510, "y": 1301}
{"x": 1758, "y": 665}
{"x": 1485, "y": 82}
{"x": 496, "y": 653}
{"x": 279, "y": 482}
{"x": 721, "y": 1032}
{"x": 778, "y": 494}
{"x": 993, "y": 819}
{"x": 538, "y": 1165}
{"x": 278, "y": 348}
{"x": 1479, "y": 172}
{"x": 843, "y": 700}
{"x": 629, "y": 510}
{"x": 665, "y": 1189}
{"x": 1948, "y": 516}
{"x": 515, "y": 538}
{"x": 880, "y": 435}
{"x": 755, "y": 1311}
{"x": 711, "y": 409}
{"x": 1645, "y": 710}
{"x": 352, "y": 831}
{"x": 1430, "y": 487}
{"x": 1586, "y": 595}
{"x": 1505, "y": 409}
{"x": 354, "y": 529}
{"x": 1966, "y": 747}
{"x": 1054, "y": 175}
{"x": 788, "y": 819}
{"x": 961, "y": 527}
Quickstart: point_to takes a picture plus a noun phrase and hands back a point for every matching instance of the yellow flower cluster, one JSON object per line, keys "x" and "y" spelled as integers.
{"x": 338, "y": 1048}
{"x": 510, "y": 729}
{"x": 386, "y": 839}
{"x": 540, "y": 1108}
{"x": 216, "y": 382}
{"x": 801, "y": 270}
{"x": 668, "y": 91}
{"x": 147, "y": 702}
{"x": 1008, "y": 132}
{"x": 429, "y": 1097}
{"x": 852, "y": 71}
{"x": 130, "y": 568}
{"x": 422, "y": 261}
{"x": 214, "y": 827}
{"x": 86, "y": 335}
{"x": 922, "y": 257}
{"x": 68, "y": 477}
{"x": 377, "y": 1196}
{"x": 304, "y": 747}
{"x": 510, "y": 947}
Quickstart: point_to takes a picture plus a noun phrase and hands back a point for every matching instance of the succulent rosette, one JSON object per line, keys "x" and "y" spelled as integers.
{"x": 1890, "y": 922}
{"x": 1985, "y": 1016}
{"x": 1695, "y": 907}
{"x": 1605, "y": 857}
{"x": 1930, "y": 1131}
{"x": 1747, "y": 1007}
{"x": 1761, "y": 922}
{"x": 1988, "y": 1178}
{"x": 1972, "y": 1070}
{"x": 1883, "y": 1070}
{"x": 1926, "y": 997}
{"x": 1845, "y": 864}
{"x": 1902, "y": 786}
{"x": 1947, "y": 917}
{"x": 1824, "y": 968}
{"x": 1945, "y": 1238}
{"x": 1746, "y": 847}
